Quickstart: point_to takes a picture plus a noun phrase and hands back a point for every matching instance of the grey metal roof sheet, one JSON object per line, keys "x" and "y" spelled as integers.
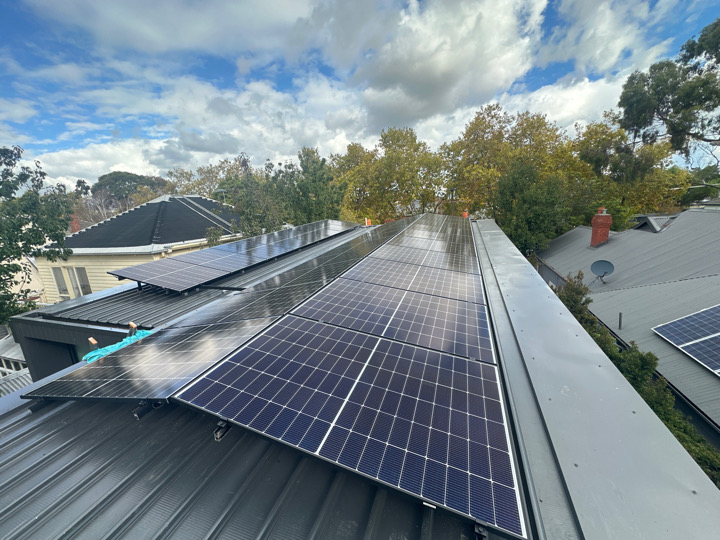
{"x": 688, "y": 248}
{"x": 90, "y": 470}
{"x": 11, "y": 350}
{"x": 643, "y": 308}
{"x": 626, "y": 475}
{"x": 15, "y": 381}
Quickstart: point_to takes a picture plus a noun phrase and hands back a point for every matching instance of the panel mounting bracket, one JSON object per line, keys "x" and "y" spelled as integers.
{"x": 221, "y": 430}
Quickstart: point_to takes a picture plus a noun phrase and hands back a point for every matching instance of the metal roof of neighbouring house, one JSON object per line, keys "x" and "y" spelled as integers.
{"x": 584, "y": 455}
{"x": 657, "y": 278}
{"x": 15, "y": 381}
{"x": 167, "y": 220}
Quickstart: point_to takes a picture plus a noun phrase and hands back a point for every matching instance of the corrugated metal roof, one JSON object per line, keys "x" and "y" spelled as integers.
{"x": 657, "y": 278}
{"x": 645, "y": 307}
{"x": 90, "y": 470}
{"x": 15, "y": 381}
{"x": 11, "y": 350}
{"x": 687, "y": 249}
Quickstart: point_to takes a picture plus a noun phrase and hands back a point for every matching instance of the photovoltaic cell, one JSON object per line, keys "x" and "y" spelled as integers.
{"x": 426, "y": 422}
{"x": 154, "y": 367}
{"x": 444, "y": 324}
{"x": 697, "y": 335}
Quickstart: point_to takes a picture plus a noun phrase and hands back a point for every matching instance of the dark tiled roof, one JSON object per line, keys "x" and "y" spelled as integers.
{"x": 165, "y": 220}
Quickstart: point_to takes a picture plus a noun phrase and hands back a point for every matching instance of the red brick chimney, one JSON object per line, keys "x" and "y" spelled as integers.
{"x": 600, "y": 227}
{"x": 74, "y": 224}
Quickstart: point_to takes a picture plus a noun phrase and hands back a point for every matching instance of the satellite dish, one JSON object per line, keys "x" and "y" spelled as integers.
{"x": 602, "y": 268}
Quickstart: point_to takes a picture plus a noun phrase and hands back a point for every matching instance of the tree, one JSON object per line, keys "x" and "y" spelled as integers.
{"x": 399, "y": 177}
{"x": 680, "y": 97}
{"x": 206, "y": 180}
{"x": 529, "y": 210}
{"x": 705, "y": 183}
{"x": 31, "y": 215}
{"x": 256, "y": 202}
{"x": 120, "y": 186}
{"x": 493, "y": 141}
{"x": 318, "y": 197}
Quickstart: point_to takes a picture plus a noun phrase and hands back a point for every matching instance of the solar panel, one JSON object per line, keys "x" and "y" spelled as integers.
{"x": 190, "y": 270}
{"x": 428, "y": 423}
{"x": 154, "y": 367}
{"x": 443, "y": 324}
{"x": 697, "y": 335}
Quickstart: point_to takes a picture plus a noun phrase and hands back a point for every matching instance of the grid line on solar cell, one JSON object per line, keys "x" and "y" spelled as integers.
{"x": 693, "y": 327}
{"x": 439, "y": 323}
{"x": 419, "y": 278}
{"x": 154, "y": 367}
{"x": 429, "y": 423}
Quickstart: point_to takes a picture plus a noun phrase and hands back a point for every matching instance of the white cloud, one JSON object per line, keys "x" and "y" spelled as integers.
{"x": 16, "y": 110}
{"x": 215, "y": 27}
{"x": 604, "y": 36}
{"x": 428, "y": 58}
{"x": 565, "y": 103}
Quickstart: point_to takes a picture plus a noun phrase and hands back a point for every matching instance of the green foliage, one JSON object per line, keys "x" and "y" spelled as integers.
{"x": 639, "y": 369}
{"x": 399, "y": 177}
{"x": 31, "y": 215}
{"x": 317, "y": 196}
{"x": 699, "y": 191}
{"x": 681, "y": 96}
{"x": 213, "y": 235}
{"x": 120, "y": 186}
{"x": 529, "y": 210}
{"x": 255, "y": 200}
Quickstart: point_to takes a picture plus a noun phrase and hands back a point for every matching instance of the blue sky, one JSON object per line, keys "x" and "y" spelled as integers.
{"x": 92, "y": 86}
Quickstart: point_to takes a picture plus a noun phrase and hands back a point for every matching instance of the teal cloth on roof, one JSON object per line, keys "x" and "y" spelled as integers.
{"x": 99, "y": 353}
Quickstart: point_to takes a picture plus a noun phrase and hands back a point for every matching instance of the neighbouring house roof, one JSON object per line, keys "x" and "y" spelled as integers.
{"x": 593, "y": 460}
{"x": 657, "y": 278}
{"x": 11, "y": 350}
{"x": 155, "y": 225}
{"x": 15, "y": 381}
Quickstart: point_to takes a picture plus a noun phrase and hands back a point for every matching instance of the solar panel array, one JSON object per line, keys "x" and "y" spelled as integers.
{"x": 162, "y": 363}
{"x": 697, "y": 335}
{"x": 153, "y": 367}
{"x": 388, "y": 371}
{"x": 190, "y": 270}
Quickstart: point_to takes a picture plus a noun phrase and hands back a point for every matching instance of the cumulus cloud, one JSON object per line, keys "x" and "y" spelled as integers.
{"x": 320, "y": 73}
{"x": 423, "y": 60}
{"x": 567, "y": 102}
